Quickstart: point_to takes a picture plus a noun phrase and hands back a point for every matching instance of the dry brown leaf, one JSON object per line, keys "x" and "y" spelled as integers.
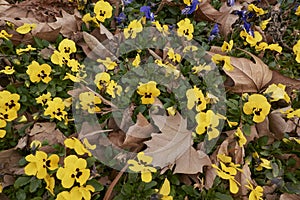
{"x": 46, "y": 132}
{"x": 3, "y": 6}
{"x": 172, "y": 144}
{"x": 96, "y": 48}
{"x": 9, "y": 162}
{"x": 248, "y": 76}
{"x": 277, "y": 124}
{"x": 22, "y": 143}
{"x": 67, "y": 23}
{"x": 223, "y": 16}
{"x": 210, "y": 175}
{"x": 191, "y": 162}
{"x": 242, "y": 179}
{"x": 289, "y": 197}
{"x": 42, "y": 127}
{"x": 264, "y": 130}
{"x": 117, "y": 138}
{"x": 139, "y": 132}
{"x": 207, "y": 12}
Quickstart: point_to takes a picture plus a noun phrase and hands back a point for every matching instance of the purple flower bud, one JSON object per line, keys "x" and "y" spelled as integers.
{"x": 147, "y": 12}
{"x": 214, "y": 32}
{"x": 121, "y": 18}
{"x": 230, "y": 2}
{"x": 191, "y": 8}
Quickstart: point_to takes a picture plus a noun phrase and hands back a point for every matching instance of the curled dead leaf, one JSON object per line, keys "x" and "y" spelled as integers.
{"x": 139, "y": 132}
{"x": 248, "y": 76}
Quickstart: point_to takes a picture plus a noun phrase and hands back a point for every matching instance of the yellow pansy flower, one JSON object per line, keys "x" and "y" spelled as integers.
{"x": 277, "y": 92}
{"x": 185, "y": 29}
{"x": 262, "y": 162}
{"x": 74, "y": 143}
{"x": 258, "y": 11}
{"x": 74, "y": 170}
{"x": 88, "y": 18}
{"x": 217, "y": 58}
{"x": 9, "y": 102}
{"x": 148, "y": 91}
{"x": 200, "y": 68}
{"x": 102, "y": 80}
{"x": 39, "y": 72}
{"x": 298, "y": 11}
{"x": 165, "y": 190}
{"x": 56, "y": 109}
{"x": 9, "y": 70}
{"x": 28, "y": 48}
{"x": 189, "y": 48}
{"x": 258, "y": 106}
{"x": 162, "y": 29}
{"x": 143, "y": 166}
{"x": 226, "y": 47}
{"x": 241, "y": 138}
{"x": 296, "y": 50}
{"x": 44, "y": 98}
{"x": 82, "y": 192}
{"x": 103, "y": 10}
{"x": 137, "y": 60}
{"x": 67, "y": 46}
{"x": 89, "y": 101}
{"x": 171, "y": 110}
{"x": 252, "y": 40}
{"x": 228, "y": 173}
{"x": 39, "y": 163}
{"x": 108, "y": 63}
{"x": 175, "y": 57}
{"x": 26, "y": 28}
{"x": 5, "y": 35}
{"x": 207, "y": 122}
{"x": 64, "y": 195}
{"x": 255, "y": 193}
{"x": 133, "y": 28}
{"x": 196, "y": 98}
{"x": 113, "y": 89}
{"x": 263, "y": 24}
{"x": 261, "y": 46}
{"x": 50, "y": 183}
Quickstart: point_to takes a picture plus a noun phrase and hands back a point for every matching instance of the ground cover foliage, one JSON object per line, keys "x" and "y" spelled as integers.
{"x": 172, "y": 99}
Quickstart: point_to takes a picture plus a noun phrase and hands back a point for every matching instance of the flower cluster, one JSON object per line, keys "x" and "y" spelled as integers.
{"x": 9, "y": 107}
{"x": 62, "y": 57}
{"x": 74, "y": 170}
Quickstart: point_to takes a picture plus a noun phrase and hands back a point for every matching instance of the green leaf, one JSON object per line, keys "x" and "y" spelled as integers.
{"x": 98, "y": 187}
{"x": 21, "y": 195}
{"x": 21, "y": 181}
{"x": 221, "y": 196}
{"x": 34, "y": 185}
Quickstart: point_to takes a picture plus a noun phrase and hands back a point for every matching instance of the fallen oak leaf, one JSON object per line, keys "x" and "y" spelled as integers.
{"x": 247, "y": 76}
{"x": 174, "y": 145}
